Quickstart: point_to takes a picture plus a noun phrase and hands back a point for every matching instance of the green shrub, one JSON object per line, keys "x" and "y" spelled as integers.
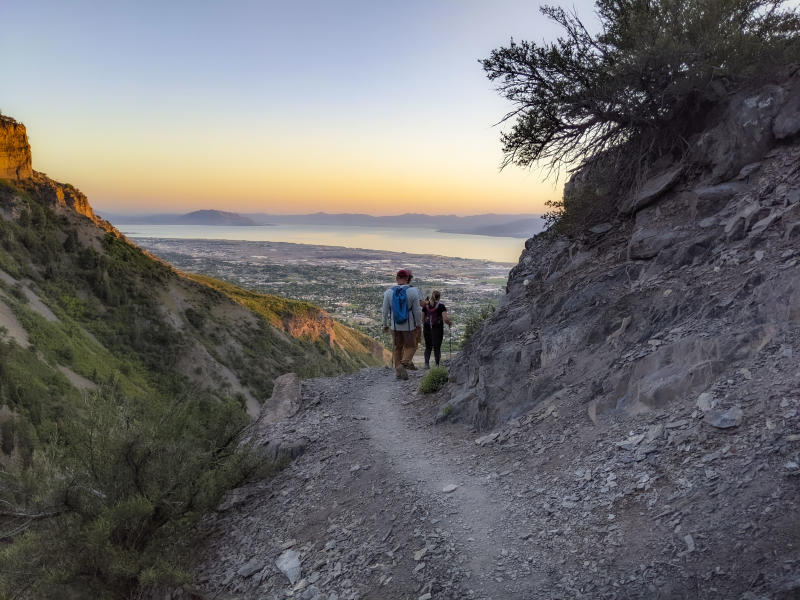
{"x": 474, "y": 320}
{"x": 433, "y": 381}
{"x": 108, "y": 505}
{"x": 588, "y": 199}
{"x": 18, "y": 293}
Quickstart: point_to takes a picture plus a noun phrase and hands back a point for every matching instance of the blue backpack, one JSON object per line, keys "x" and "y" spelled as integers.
{"x": 400, "y": 304}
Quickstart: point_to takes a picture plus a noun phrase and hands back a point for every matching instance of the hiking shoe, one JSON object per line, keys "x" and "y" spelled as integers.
{"x": 401, "y": 372}
{"x": 427, "y": 365}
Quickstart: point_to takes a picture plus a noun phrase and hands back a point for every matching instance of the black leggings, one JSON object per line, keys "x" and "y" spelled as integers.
{"x": 433, "y": 341}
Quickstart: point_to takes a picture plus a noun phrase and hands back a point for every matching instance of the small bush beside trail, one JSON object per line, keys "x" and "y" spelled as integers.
{"x": 433, "y": 381}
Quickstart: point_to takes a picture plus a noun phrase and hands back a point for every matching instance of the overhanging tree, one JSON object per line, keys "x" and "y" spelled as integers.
{"x": 640, "y": 84}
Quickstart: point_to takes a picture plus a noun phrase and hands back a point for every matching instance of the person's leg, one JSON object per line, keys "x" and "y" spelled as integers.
{"x": 397, "y": 352}
{"x": 409, "y": 348}
{"x": 428, "y": 345}
{"x": 438, "y": 336}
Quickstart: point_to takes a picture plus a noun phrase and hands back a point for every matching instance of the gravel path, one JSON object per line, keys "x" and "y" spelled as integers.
{"x": 366, "y": 507}
{"x": 474, "y": 509}
{"x": 550, "y": 506}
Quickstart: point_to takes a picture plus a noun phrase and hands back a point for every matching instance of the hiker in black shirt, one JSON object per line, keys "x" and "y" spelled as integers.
{"x": 434, "y": 316}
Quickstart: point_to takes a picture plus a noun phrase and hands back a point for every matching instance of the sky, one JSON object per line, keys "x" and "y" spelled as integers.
{"x": 280, "y": 107}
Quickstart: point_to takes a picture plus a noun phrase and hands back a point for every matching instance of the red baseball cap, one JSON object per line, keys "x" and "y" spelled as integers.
{"x": 404, "y": 273}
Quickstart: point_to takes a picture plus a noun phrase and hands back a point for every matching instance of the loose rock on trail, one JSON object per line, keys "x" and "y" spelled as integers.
{"x": 383, "y": 504}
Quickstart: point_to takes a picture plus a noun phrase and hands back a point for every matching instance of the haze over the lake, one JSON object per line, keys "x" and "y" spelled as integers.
{"x": 347, "y": 106}
{"x": 413, "y": 240}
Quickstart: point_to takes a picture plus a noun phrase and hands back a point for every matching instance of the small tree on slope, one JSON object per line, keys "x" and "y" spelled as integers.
{"x": 637, "y": 87}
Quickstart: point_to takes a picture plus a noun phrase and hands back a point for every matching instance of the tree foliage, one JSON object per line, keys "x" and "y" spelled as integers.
{"x": 639, "y": 85}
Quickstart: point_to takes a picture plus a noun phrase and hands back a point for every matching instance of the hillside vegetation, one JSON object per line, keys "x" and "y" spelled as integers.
{"x": 124, "y": 388}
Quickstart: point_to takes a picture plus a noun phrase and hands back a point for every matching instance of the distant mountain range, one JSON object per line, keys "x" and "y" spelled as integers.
{"x": 504, "y": 225}
{"x": 197, "y": 217}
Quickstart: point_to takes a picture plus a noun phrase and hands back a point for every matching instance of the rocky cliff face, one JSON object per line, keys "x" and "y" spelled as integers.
{"x": 16, "y": 164}
{"x": 694, "y": 289}
{"x": 15, "y": 153}
{"x": 648, "y": 373}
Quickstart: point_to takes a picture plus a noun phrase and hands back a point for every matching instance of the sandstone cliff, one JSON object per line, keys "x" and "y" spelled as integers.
{"x": 15, "y": 153}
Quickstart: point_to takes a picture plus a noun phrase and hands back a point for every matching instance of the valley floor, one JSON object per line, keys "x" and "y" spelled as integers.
{"x": 347, "y": 282}
{"x": 542, "y": 509}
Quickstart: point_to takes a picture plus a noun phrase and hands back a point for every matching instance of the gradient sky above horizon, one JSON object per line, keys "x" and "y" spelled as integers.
{"x": 290, "y": 107}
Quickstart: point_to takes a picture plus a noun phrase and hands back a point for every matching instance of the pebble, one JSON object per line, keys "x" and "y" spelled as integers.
{"x": 449, "y": 488}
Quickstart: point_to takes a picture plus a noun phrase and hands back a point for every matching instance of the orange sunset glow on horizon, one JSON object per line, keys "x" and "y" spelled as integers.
{"x": 253, "y": 107}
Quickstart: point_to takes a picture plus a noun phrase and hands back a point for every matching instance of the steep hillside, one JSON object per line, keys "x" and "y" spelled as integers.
{"x": 124, "y": 388}
{"x": 657, "y": 358}
{"x": 90, "y": 279}
{"x": 693, "y": 282}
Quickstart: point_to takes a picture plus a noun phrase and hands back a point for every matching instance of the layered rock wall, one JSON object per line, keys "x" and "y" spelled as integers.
{"x": 15, "y": 152}
{"x": 694, "y": 283}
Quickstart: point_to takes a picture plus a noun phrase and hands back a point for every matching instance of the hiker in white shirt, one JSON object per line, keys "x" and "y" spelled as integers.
{"x": 405, "y": 321}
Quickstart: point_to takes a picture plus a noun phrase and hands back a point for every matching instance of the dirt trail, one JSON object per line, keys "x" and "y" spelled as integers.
{"x": 550, "y": 506}
{"x": 415, "y": 452}
{"x": 366, "y": 509}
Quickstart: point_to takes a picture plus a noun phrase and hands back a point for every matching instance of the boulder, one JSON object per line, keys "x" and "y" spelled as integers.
{"x": 647, "y": 242}
{"x": 285, "y": 400}
{"x": 652, "y": 189}
{"x": 288, "y": 563}
{"x": 711, "y": 199}
{"x": 250, "y": 568}
{"x": 725, "y": 419}
{"x": 743, "y": 135}
{"x": 286, "y": 449}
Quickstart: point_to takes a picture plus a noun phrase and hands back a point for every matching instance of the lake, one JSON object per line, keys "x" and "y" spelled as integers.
{"x": 416, "y": 240}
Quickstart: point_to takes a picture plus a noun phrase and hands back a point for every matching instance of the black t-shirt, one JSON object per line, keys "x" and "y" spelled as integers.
{"x": 432, "y": 315}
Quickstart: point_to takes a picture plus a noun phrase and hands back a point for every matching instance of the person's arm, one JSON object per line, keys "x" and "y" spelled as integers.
{"x": 387, "y": 310}
{"x": 446, "y": 318}
{"x": 416, "y": 307}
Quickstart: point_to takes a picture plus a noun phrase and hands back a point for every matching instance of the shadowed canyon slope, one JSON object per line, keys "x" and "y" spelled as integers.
{"x": 695, "y": 280}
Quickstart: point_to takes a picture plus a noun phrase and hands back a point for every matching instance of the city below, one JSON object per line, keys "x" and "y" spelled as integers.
{"x": 347, "y": 282}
